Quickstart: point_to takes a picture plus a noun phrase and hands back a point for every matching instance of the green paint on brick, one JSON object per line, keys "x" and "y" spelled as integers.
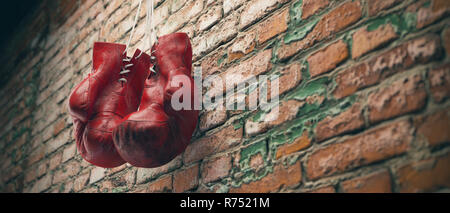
{"x": 298, "y": 33}
{"x": 238, "y": 124}
{"x": 316, "y": 87}
{"x": 252, "y": 150}
{"x": 222, "y": 59}
{"x": 401, "y": 24}
{"x": 305, "y": 71}
{"x": 295, "y": 13}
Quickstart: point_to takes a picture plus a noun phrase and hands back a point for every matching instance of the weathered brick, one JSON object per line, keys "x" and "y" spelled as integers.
{"x": 68, "y": 170}
{"x": 290, "y": 77}
{"x": 365, "y": 41}
{"x": 309, "y": 7}
{"x": 230, "y": 5}
{"x": 439, "y": 81}
{"x": 256, "y": 9}
{"x": 377, "y": 182}
{"x": 368, "y": 147}
{"x": 69, "y": 152}
{"x": 145, "y": 174}
{"x": 434, "y": 127}
{"x": 243, "y": 45}
{"x": 220, "y": 33}
{"x": 279, "y": 114}
{"x": 349, "y": 120}
{"x": 401, "y": 97}
{"x": 375, "y": 6}
{"x": 273, "y": 26}
{"x": 327, "y": 58}
{"x": 298, "y": 144}
{"x": 216, "y": 142}
{"x": 216, "y": 169}
{"x": 42, "y": 184}
{"x": 175, "y": 21}
{"x": 425, "y": 175}
{"x": 211, "y": 119}
{"x": 81, "y": 181}
{"x": 430, "y": 14}
{"x": 36, "y": 172}
{"x": 281, "y": 176}
{"x": 210, "y": 18}
{"x": 244, "y": 71}
{"x": 163, "y": 184}
{"x": 97, "y": 173}
{"x": 55, "y": 161}
{"x": 373, "y": 70}
{"x": 36, "y": 155}
{"x": 333, "y": 22}
{"x": 184, "y": 180}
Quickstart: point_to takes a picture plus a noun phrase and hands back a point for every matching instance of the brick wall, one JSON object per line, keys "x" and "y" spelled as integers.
{"x": 364, "y": 93}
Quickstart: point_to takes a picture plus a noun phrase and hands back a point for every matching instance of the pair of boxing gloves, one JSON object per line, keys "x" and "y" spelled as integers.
{"x": 122, "y": 110}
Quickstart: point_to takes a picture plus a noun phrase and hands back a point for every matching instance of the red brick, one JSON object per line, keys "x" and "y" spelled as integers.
{"x": 365, "y": 41}
{"x": 210, "y": 18}
{"x": 220, "y": 33}
{"x": 298, "y": 144}
{"x": 333, "y": 22}
{"x": 375, "y": 6}
{"x": 210, "y": 64}
{"x": 273, "y": 26}
{"x": 211, "y": 119}
{"x": 256, "y": 9}
{"x": 280, "y": 177}
{"x": 349, "y": 120}
{"x": 425, "y": 175}
{"x": 374, "y": 70}
{"x": 55, "y": 161}
{"x": 327, "y": 58}
{"x": 401, "y": 97}
{"x": 216, "y": 142}
{"x": 36, "y": 172}
{"x": 97, "y": 173}
{"x": 36, "y": 155}
{"x": 216, "y": 169}
{"x": 428, "y": 15}
{"x": 368, "y": 147}
{"x": 42, "y": 184}
{"x": 145, "y": 174}
{"x": 434, "y": 127}
{"x": 439, "y": 81}
{"x": 68, "y": 170}
{"x": 80, "y": 182}
{"x": 254, "y": 66}
{"x": 286, "y": 111}
{"x": 126, "y": 178}
{"x": 186, "y": 179}
{"x": 243, "y": 45}
{"x": 377, "y": 182}
{"x": 309, "y": 7}
{"x": 291, "y": 76}
{"x": 163, "y": 184}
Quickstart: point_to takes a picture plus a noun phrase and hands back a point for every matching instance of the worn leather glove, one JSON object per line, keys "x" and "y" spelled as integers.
{"x": 99, "y": 103}
{"x": 157, "y": 133}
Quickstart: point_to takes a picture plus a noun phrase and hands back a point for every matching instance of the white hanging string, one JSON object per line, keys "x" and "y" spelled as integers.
{"x": 149, "y": 27}
{"x": 134, "y": 25}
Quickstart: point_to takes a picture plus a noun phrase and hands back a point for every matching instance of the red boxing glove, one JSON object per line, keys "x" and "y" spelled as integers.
{"x": 157, "y": 133}
{"x": 99, "y": 102}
